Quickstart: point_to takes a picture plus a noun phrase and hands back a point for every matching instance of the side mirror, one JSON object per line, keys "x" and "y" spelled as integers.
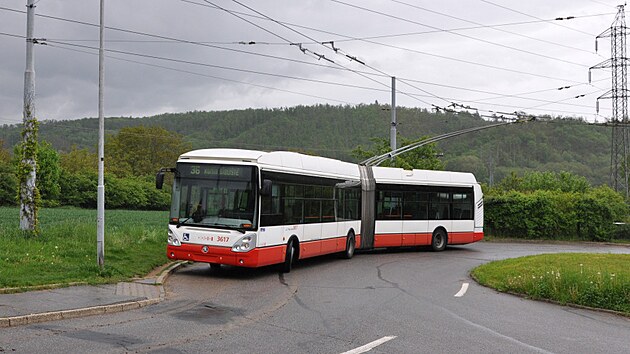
{"x": 159, "y": 180}
{"x": 265, "y": 189}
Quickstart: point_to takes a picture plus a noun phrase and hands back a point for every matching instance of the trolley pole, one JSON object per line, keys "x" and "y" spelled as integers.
{"x": 100, "y": 218}
{"x": 394, "y": 124}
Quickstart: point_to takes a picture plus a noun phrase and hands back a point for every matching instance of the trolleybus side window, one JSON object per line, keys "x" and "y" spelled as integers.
{"x": 405, "y": 202}
{"x": 301, "y": 199}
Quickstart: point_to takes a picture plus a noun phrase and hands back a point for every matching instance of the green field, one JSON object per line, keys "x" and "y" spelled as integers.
{"x": 593, "y": 280}
{"x": 65, "y": 252}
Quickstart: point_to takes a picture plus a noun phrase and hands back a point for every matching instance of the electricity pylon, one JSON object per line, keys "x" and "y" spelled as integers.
{"x": 619, "y": 95}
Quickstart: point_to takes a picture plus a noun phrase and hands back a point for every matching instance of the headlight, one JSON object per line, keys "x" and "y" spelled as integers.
{"x": 245, "y": 243}
{"x": 172, "y": 240}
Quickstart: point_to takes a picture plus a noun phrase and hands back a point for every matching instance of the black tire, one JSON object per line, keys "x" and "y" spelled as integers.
{"x": 439, "y": 240}
{"x": 350, "y": 246}
{"x": 289, "y": 258}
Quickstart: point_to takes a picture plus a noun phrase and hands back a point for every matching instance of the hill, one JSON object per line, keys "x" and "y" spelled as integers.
{"x": 333, "y": 131}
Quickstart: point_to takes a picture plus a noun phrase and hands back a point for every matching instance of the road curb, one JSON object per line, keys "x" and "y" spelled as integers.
{"x": 93, "y": 310}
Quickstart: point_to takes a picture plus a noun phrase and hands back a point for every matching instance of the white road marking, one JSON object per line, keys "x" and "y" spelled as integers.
{"x": 513, "y": 340}
{"x": 462, "y": 291}
{"x": 369, "y": 346}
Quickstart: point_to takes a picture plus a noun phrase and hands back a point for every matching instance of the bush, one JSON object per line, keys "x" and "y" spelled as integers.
{"x": 597, "y": 211}
{"x": 8, "y": 184}
{"x": 546, "y": 214}
{"x": 80, "y": 190}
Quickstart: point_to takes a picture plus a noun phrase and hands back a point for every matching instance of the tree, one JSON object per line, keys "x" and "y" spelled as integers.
{"x": 8, "y": 180}
{"x": 425, "y": 157}
{"x": 48, "y": 173}
{"x": 140, "y": 151}
{"x": 78, "y": 160}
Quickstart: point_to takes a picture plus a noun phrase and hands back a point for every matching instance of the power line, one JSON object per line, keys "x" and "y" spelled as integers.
{"x": 496, "y": 29}
{"x": 350, "y": 38}
{"x": 171, "y": 39}
{"x": 208, "y": 76}
{"x": 601, "y": 3}
{"x": 191, "y": 42}
{"x": 308, "y": 37}
{"x": 299, "y": 61}
{"x": 458, "y": 34}
{"x": 189, "y": 62}
{"x": 320, "y": 81}
{"x": 537, "y": 18}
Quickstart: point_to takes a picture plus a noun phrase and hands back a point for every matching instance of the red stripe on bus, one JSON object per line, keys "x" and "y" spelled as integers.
{"x": 257, "y": 257}
{"x": 422, "y": 239}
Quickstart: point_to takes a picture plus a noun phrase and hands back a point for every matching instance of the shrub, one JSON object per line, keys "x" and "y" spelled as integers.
{"x": 555, "y": 214}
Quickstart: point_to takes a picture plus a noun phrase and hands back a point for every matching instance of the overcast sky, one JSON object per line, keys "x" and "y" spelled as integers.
{"x": 494, "y": 55}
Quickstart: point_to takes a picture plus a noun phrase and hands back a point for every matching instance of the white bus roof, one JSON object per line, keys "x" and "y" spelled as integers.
{"x": 285, "y": 161}
{"x": 398, "y": 175}
{"x": 281, "y": 161}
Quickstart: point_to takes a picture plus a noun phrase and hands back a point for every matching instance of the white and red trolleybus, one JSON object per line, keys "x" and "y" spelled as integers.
{"x": 252, "y": 208}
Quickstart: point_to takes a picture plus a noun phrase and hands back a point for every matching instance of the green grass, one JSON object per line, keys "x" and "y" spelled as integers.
{"x": 593, "y": 280}
{"x": 65, "y": 252}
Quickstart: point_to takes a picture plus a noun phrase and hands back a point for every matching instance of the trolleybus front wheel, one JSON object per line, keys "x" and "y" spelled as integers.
{"x": 289, "y": 258}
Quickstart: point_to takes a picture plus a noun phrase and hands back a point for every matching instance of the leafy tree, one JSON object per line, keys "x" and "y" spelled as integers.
{"x": 78, "y": 189}
{"x": 425, "y": 157}
{"x": 553, "y": 181}
{"x": 8, "y": 180}
{"x": 547, "y": 181}
{"x": 48, "y": 172}
{"x": 140, "y": 151}
{"x": 78, "y": 160}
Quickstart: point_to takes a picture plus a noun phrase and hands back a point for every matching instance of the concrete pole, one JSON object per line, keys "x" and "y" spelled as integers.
{"x": 100, "y": 223}
{"x": 28, "y": 207}
{"x": 394, "y": 124}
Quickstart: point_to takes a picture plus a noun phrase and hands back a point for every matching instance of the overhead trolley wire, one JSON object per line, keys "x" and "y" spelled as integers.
{"x": 459, "y": 34}
{"x": 537, "y": 18}
{"x": 496, "y": 29}
{"x": 205, "y": 75}
{"x": 172, "y": 39}
{"x": 320, "y": 81}
{"x": 350, "y": 38}
{"x": 300, "y": 47}
{"x": 293, "y": 60}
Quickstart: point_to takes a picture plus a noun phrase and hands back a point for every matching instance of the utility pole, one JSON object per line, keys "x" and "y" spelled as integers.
{"x": 100, "y": 218}
{"x": 394, "y": 124}
{"x": 619, "y": 94}
{"x": 27, "y": 167}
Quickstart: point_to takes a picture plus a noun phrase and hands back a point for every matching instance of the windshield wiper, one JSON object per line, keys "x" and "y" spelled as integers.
{"x": 231, "y": 227}
{"x": 182, "y": 222}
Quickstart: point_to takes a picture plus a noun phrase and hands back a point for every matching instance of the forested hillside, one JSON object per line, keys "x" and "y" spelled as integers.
{"x": 334, "y": 131}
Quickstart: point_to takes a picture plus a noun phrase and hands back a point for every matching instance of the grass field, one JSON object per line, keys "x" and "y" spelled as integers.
{"x": 594, "y": 280}
{"x": 65, "y": 252}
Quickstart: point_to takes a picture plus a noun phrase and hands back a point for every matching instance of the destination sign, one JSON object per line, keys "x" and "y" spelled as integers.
{"x": 214, "y": 171}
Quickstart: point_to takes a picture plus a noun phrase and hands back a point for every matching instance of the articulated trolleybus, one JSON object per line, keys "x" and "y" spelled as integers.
{"x": 251, "y": 208}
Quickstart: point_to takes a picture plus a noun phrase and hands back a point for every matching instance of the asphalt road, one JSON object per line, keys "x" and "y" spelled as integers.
{"x": 404, "y": 298}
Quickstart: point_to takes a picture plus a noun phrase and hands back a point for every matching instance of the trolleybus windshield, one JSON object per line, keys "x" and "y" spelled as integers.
{"x": 213, "y": 195}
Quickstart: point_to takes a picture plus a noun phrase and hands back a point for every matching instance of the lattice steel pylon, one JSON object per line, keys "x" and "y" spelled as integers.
{"x": 619, "y": 95}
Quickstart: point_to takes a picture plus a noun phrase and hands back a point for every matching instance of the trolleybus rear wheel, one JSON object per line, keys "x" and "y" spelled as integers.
{"x": 350, "y": 246}
{"x": 439, "y": 240}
